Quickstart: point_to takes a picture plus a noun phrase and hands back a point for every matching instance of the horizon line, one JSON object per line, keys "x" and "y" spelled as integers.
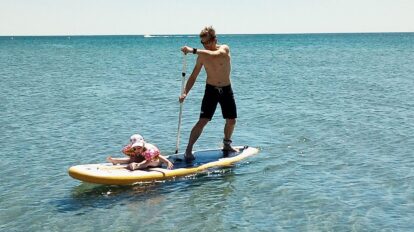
{"x": 173, "y": 34}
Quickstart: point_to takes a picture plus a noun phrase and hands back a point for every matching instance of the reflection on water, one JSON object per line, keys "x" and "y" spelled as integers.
{"x": 86, "y": 196}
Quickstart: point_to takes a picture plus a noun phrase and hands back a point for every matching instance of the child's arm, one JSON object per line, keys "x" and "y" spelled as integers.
{"x": 118, "y": 160}
{"x": 166, "y": 161}
{"x": 132, "y": 166}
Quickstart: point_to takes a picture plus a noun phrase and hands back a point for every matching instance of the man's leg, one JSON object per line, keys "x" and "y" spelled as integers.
{"x": 195, "y": 134}
{"x": 229, "y": 111}
{"x": 228, "y": 132}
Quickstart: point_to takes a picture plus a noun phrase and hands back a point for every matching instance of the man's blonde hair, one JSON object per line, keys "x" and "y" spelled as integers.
{"x": 208, "y": 32}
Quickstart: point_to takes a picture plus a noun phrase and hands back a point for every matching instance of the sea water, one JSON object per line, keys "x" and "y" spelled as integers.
{"x": 333, "y": 115}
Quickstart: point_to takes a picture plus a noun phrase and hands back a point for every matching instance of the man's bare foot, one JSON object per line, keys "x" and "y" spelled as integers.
{"x": 188, "y": 156}
{"x": 227, "y": 146}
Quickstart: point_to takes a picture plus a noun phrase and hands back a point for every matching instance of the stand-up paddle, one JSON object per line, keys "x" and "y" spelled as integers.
{"x": 181, "y": 103}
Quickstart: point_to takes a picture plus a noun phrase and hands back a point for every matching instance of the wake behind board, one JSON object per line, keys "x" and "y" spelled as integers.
{"x": 107, "y": 173}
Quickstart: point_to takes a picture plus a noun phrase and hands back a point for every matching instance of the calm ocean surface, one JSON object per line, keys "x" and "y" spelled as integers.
{"x": 333, "y": 115}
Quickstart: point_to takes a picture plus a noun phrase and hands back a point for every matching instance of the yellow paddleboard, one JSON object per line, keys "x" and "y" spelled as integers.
{"x": 107, "y": 173}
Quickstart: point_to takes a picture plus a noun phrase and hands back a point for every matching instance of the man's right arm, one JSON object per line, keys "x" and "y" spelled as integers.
{"x": 221, "y": 51}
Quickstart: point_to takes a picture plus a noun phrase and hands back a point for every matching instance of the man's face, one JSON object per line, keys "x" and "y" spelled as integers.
{"x": 208, "y": 42}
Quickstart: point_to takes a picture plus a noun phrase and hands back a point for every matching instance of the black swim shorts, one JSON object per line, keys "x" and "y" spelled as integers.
{"x": 224, "y": 96}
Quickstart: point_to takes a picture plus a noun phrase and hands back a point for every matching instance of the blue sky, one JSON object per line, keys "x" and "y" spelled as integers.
{"x": 120, "y": 17}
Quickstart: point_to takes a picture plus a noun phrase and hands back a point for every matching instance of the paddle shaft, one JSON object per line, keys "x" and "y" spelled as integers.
{"x": 181, "y": 104}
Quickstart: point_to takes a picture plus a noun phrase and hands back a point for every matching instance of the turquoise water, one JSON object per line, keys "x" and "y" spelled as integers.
{"x": 333, "y": 115}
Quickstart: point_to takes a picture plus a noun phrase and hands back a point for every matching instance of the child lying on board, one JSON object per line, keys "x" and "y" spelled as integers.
{"x": 141, "y": 155}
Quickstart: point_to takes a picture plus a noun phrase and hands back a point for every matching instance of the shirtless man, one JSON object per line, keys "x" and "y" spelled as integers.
{"x": 216, "y": 61}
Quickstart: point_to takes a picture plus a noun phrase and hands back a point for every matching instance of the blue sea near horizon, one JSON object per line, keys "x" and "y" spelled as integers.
{"x": 333, "y": 115}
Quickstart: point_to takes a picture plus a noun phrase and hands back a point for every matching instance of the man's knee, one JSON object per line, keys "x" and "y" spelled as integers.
{"x": 202, "y": 122}
{"x": 231, "y": 121}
